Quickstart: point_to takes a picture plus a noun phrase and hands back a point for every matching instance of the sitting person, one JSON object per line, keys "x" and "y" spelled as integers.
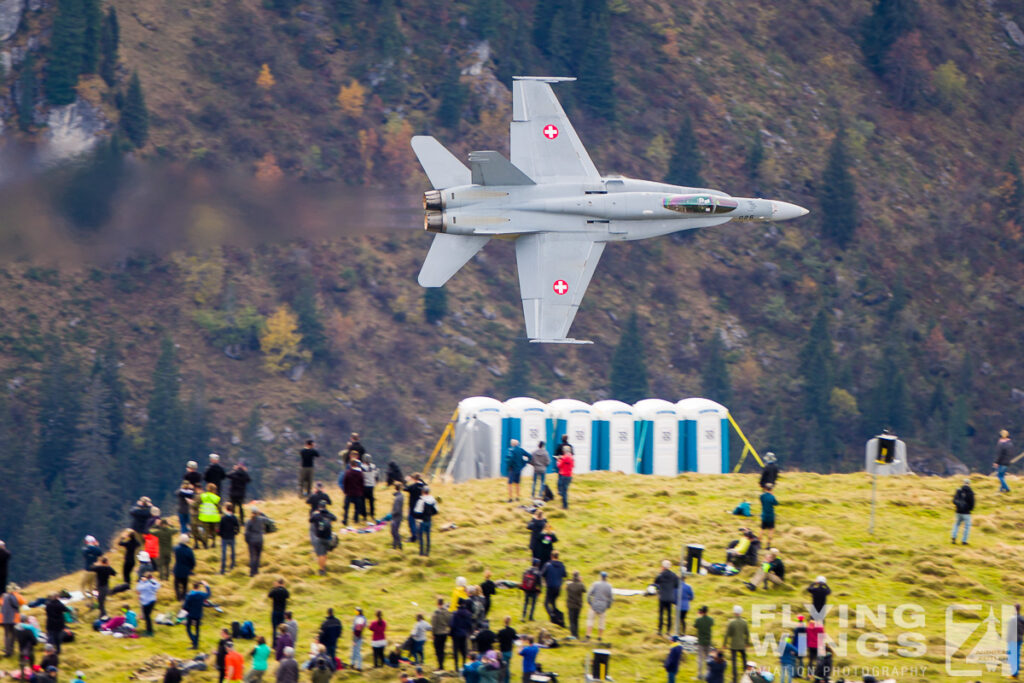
{"x": 546, "y": 640}
{"x": 739, "y": 551}
{"x": 772, "y": 571}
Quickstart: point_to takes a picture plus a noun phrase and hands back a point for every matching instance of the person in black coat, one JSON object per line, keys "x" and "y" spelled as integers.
{"x": 5, "y": 559}
{"x": 215, "y": 474}
{"x": 140, "y": 515}
{"x": 963, "y": 501}
{"x": 173, "y": 673}
{"x": 819, "y": 591}
{"x": 55, "y": 610}
{"x": 770, "y": 473}
{"x": 330, "y": 632}
{"x": 227, "y": 529}
{"x": 131, "y": 544}
{"x": 238, "y": 480}
{"x": 184, "y": 565}
{"x": 667, "y": 583}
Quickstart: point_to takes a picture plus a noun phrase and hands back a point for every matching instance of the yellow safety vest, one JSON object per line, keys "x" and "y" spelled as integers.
{"x": 208, "y": 510}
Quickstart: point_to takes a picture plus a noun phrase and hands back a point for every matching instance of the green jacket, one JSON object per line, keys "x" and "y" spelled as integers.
{"x": 703, "y": 625}
{"x": 737, "y": 634}
{"x": 166, "y": 535}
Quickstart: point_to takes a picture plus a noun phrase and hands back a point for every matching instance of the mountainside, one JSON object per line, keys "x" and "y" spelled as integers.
{"x": 269, "y": 148}
{"x": 890, "y": 591}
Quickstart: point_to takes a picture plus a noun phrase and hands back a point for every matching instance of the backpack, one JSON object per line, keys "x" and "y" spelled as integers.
{"x": 530, "y": 581}
{"x": 247, "y": 631}
{"x": 269, "y": 525}
{"x": 548, "y": 496}
{"x": 557, "y": 617}
{"x": 323, "y": 526}
{"x": 333, "y": 541}
{"x": 236, "y": 629}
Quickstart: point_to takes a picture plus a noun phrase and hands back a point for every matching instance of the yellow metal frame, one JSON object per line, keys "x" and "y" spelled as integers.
{"x": 443, "y": 448}
{"x": 747, "y": 448}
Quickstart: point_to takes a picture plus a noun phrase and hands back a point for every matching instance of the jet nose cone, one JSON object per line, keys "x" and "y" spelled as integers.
{"x": 784, "y": 211}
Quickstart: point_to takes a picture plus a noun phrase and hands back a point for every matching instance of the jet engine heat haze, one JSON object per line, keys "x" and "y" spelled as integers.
{"x": 560, "y": 211}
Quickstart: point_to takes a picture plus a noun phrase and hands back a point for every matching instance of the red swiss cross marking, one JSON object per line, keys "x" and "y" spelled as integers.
{"x": 560, "y": 287}
{"x": 550, "y": 132}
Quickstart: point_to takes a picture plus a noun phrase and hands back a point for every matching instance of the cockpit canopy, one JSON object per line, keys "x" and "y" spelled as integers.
{"x": 700, "y": 204}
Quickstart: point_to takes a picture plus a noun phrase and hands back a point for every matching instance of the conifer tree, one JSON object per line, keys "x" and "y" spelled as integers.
{"x": 838, "y": 195}
{"x": 889, "y": 20}
{"x": 110, "y": 37}
{"x": 684, "y": 167}
{"x": 311, "y": 326}
{"x": 91, "y": 35}
{"x": 517, "y": 379}
{"x": 66, "y": 56}
{"x": 435, "y": 304}
{"x": 59, "y": 408}
{"x": 755, "y": 157}
{"x": 134, "y": 115}
{"x": 161, "y": 458}
{"x": 97, "y": 488}
{"x": 817, "y": 367}
{"x": 197, "y": 429}
{"x": 28, "y": 90}
{"x": 253, "y": 452}
{"x": 485, "y": 18}
{"x": 36, "y": 559}
{"x": 596, "y": 71}
{"x": 715, "y": 381}
{"x": 453, "y": 99}
{"x": 107, "y": 370}
{"x": 629, "y": 368}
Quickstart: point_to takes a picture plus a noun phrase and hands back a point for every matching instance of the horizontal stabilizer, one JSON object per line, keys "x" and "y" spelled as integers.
{"x": 441, "y": 166}
{"x": 490, "y": 168}
{"x": 448, "y": 253}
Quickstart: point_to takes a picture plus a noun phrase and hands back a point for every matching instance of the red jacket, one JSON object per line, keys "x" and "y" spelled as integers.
{"x": 234, "y": 666}
{"x": 565, "y": 465}
{"x": 151, "y": 544}
{"x": 815, "y": 636}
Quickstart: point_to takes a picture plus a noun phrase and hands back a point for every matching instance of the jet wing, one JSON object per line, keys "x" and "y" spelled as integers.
{"x": 543, "y": 143}
{"x": 554, "y": 271}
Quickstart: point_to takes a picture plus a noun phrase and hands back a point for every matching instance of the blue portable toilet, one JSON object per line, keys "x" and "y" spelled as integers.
{"x": 527, "y": 420}
{"x": 574, "y": 419}
{"x": 657, "y": 437}
{"x": 614, "y": 428}
{"x": 705, "y": 435}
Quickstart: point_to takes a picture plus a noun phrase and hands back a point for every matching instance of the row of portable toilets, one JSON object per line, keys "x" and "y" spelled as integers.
{"x": 652, "y": 436}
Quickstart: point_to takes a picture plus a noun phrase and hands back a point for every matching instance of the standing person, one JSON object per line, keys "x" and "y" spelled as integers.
{"x": 815, "y": 642}
{"x": 260, "y": 661}
{"x": 184, "y": 565}
{"x": 10, "y": 607}
{"x": 222, "y": 653}
{"x": 5, "y": 560}
{"x": 130, "y": 542}
{"x": 215, "y": 474}
{"x": 530, "y": 586}
{"x": 313, "y": 501}
{"x": 192, "y": 474}
{"x": 488, "y": 589}
{"x": 282, "y": 640}
{"x": 354, "y": 444}
{"x": 426, "y": 508}
{"x": 462, "y": 628}
{"x": 370, "y": 474}
{"x": 147, "y": 588}
{"x": 737, "y": 639}
{"x": 287, "y": 667}
{"x": 352, "y": 484}
{"x": 546, "y": 544}
{"x": 278, "y": 606}
{"x": 770, "y": 473}
{"x": 103, "y": 572}
{"x": 379, "y": 639}
{"x": 703, "y": 624}
{"x": 254, "y": 530}
{"x": 536, "y": 527}
{"x": 322, "y": 534}
{"x": 1004, "y": 457}
{"x": 787, "y": 660}
{"x": 671, "y": 665}
{"x": 140, "y": 514}
{"x": 209, "y": 512}
{"x": 565, "y": 464}
{"x": 307, "y": 460}
{"x": 358, "y": 627}
{"x": 55, "y": 610}
{"x": 800, "y": 641}
{"x": 186, "y": 492}
{"x": 330, "y": 632}
{"x": 91, "y": 553}
{"x": 507, "y": 637}
{"x": 234, "y": 665}
{"x": 554, "y": 574}
{"x": 574, "y": 592}
{"x": 599, "y": 599}
{"x": 440, "y": 624}
{"x": 539, "y": 459}
{"x": 963, "y": 501}
{"x": 238, "y": 482}
{"x": 397, "y": 503}
{"x": 683, "y": 602}
{"x": 667, "y": 584}
{"x": 716, "y": 668}
{"x": 516, "y": 459}
{"x": 165, "y": 535}
{"x": 819, "y": 591}
{"x": 415, "y": 489}
{"x": 768, "y": 504}
{"x": 228, "y": 529}
{"x": 529, "y": 654}
{"x": 193, "y": 608}
{"x": 27, "y": 641}
{"x": 419, "y": 638}
{"x": 459, "y": 593}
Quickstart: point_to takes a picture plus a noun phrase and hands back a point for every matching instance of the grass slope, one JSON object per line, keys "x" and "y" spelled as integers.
{"x": 625, "y": 525}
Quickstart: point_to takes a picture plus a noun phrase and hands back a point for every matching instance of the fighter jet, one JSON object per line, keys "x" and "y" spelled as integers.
{"x": 551, "y": 200}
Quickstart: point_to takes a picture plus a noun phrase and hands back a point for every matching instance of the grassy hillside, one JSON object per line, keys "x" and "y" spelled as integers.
{"x": 626, "y": 525}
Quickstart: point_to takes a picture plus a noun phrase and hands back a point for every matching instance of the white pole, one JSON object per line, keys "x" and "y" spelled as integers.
{"x": 874, "y": 496}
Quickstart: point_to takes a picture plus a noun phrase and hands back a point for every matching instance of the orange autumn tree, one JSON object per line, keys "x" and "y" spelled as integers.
{"x": 351, "y": 99}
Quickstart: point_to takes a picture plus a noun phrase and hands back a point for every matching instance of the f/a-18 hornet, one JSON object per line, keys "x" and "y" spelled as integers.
{"x": 550, "y": 199}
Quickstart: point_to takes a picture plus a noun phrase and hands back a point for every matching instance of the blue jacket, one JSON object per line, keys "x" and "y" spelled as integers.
{"x": 789, "y": 653}
{"x": 184, "y": 561}
{"x": 685, "y": 596}
{"x": 716, "y": 672}
{"x": 672, "y": 661}
{"x": 554, "y": 573}
{"x": 462, "y": 622}
{"x": 471, "y": 672}
{"x": 516, "y": 459}
{"x": 194, "y": 602}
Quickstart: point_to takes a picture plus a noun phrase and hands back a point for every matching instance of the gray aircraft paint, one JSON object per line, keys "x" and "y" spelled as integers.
{"x": 551, "y": 200}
